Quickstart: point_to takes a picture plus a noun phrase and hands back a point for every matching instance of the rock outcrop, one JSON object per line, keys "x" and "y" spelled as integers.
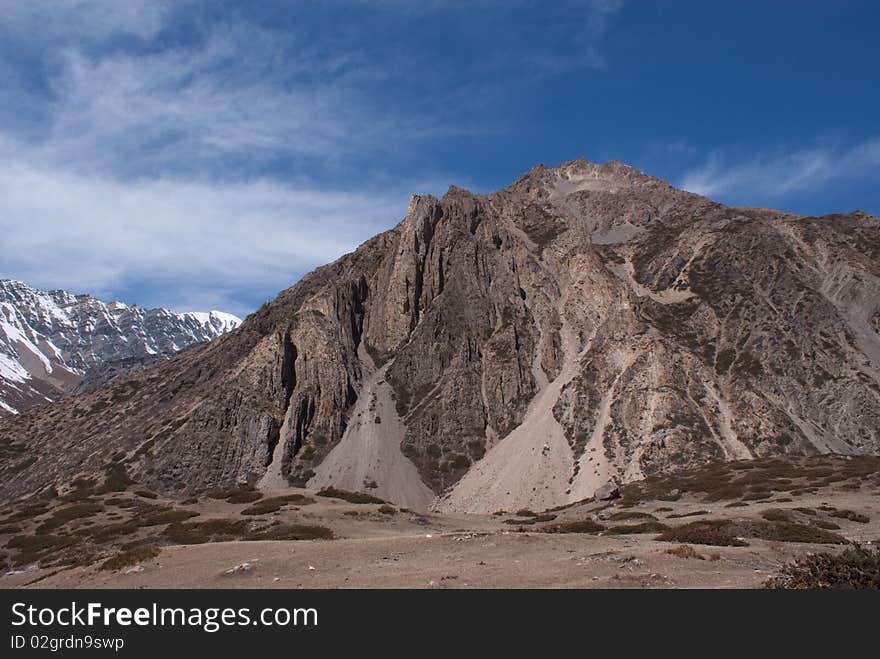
{"x": 587, "y": 324}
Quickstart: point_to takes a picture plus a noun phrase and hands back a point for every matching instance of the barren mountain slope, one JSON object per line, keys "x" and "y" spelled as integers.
{"x": 587, "y": 322}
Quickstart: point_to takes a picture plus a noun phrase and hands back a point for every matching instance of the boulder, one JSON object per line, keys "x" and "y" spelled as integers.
{"x": 609, "y": 491}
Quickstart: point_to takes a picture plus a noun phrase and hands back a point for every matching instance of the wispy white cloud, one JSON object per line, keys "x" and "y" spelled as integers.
{"x": 237, "y": 97}
{"x": 146, "y": 175}
{"x": 82, "y": 20}
{"x": 775, "y": 174}
{"x": 190, "y": 243}
{"x": 198, "y": 166}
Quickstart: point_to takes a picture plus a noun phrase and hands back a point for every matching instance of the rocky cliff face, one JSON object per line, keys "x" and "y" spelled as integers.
{"x": 55, "y": 342}
{"x": 513, "y": 350}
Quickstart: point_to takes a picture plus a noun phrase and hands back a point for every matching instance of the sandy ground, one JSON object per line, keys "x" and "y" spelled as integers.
{"x": 408, "y": 550}
{"x": 452, "y": 560}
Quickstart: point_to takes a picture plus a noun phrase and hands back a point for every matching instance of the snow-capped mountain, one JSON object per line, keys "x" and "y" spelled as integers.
{"x": 50, "y": 340}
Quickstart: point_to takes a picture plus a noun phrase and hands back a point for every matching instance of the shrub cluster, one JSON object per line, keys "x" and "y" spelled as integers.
{"x": 854, "y": 568}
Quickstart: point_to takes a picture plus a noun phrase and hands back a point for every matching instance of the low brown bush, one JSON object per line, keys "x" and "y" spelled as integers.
{"x": 166, "y": 516}
{"x": 854, "y": 568}
{"x": 537, "y": 519}
{"x": 695, "y": 513}
{"x": 627, "y": 514}
{"x": 794, "y": 532}
{"x": 579, "y": 526}
{"x": 644, "y": 527}
{"x": 825, "y": 524}
{"x": 806, "y": 511}
{"x": 703, "y": 532}
{"x": 685, "y": 551}
{"x": 275, "y": 504}
{"x": 851, "y": 515}
{"x": 777, "y": 515}
{"x": 222, "y": 530}
{"x": 128, "y": 558}
{"x": 245, "y": 496}
{"x": 351, "y": 497}
{"x": 293, "y": 532}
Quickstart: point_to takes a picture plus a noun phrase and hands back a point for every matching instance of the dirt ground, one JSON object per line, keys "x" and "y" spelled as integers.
{"x": 375, "y": 546}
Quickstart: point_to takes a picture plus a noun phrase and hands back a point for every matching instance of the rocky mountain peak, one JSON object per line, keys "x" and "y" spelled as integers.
{"x": 50, "y": 341}
{"x": 515, "y": 350}
{"x": 581, "y": 175}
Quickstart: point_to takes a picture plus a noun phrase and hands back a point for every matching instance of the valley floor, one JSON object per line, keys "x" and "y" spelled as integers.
{"x": 376, "y": 545}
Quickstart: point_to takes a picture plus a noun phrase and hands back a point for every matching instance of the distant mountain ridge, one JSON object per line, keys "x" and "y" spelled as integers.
{"x": 51, "y": 340}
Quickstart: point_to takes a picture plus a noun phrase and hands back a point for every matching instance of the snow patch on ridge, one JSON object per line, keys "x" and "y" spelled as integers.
{"x": 49, "y": 339}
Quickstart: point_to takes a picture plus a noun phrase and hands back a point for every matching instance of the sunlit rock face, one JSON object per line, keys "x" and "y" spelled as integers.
{"x": 587, "y": 324}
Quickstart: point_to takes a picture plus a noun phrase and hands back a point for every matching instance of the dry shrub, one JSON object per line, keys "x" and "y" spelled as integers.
{"x": 275, "y": 504}
{"x": 214, "y": 530}
{"x": 854, "y": 568}
{"x": 644, "y": 527}
{"x": 537, "y": 519}
{"x": 579, "y": 526}
{"x": 293, "y": 532}
{"x": 692, "y": 514}
{"x": 777, "y": 515}
{"x": 245, "y": 496}
{"x": 728, "y": 532}
{"x": 164, "y": 516}
{"x": 128, "y": 558}
{"x": 755, "y": 480}
{"x": 794, "y": 532}
{"x": 37, "y": 548}
{"x": 351, "y": 497}
{"x": 120, "y": 502}
{"x": 29, "y": 511}
{"x": 685, "y": 551}
{"x": 851, "y": 515}
{"x": 825, "y": 524}
{"x": 116, "y": 479}
{"x": 703, "y": 532}
{"x": 223, "y": 530}
{"x": 626, "y": 514}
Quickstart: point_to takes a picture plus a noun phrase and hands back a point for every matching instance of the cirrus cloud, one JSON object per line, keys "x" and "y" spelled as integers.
{"x": 774, "y": 174}
{"x": 191, "y": 154}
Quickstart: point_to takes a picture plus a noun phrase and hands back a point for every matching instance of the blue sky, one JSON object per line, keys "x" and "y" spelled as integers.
{"x": 207, "y": 154}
